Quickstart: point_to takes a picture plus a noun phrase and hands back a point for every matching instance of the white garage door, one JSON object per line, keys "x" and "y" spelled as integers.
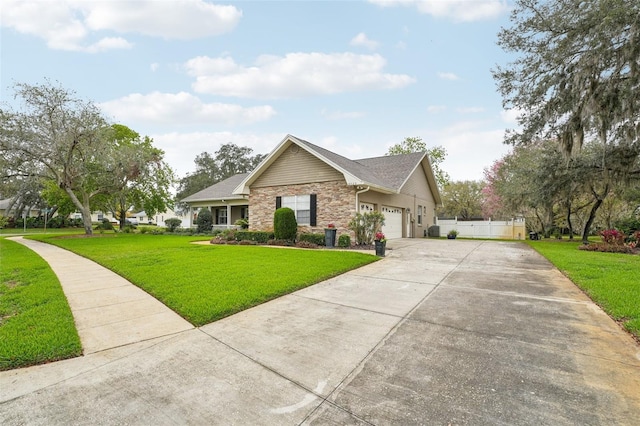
{"x": 392, "y": 222}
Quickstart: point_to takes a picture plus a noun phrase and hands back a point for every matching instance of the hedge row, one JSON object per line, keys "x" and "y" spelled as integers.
{"x": 260, "y": 237}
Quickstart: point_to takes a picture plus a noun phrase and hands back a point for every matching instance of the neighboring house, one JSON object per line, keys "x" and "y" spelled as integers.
{"x": 139, "y": 218}
{"x": 8, "y": 209}
{"x": 325, "y": 188}
{"x": 225, "y": 206}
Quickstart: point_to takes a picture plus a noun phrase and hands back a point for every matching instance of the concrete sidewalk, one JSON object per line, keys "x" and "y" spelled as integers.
{"x": 108, "y": 310}
{"x": 439, "y": 332}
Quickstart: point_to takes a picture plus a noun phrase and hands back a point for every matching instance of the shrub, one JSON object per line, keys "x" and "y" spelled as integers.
{"x": 4, "y": 221}
{"x": 242, "y": 223}
{"x": 260, "y": 237}
{"x": 306, "y": 244}
{"x": 285, "y": 226}
{"x": 365, "y": 226}
{"x": 105, "y": 225}
{"x": 56, "y": 222}
{"x": 628, "y": 226}
{"x": 612, "y": 236}
{"x": 229, "y": 234}
{"x": 129, "y": 229}
{"x": 607, "y": 248}
{"x": 172, "y": 224}
{"x": 204, "y": 221}
{"x": 344, "y": 241}
{"x": 317, "y": 239}
{"x": 218, "y": 240}
{"x": 275, "y": 242}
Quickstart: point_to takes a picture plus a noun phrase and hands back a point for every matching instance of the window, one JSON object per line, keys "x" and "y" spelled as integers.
{"x": 222, "y": 217}
{"x": 419, "y": 215}
{"x": 301, "y": 205}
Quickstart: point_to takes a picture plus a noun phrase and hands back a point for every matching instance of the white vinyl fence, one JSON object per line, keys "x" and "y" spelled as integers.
{"x": 514, "y": 229}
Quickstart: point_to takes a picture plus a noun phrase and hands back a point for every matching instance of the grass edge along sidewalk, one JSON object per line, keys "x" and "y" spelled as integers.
{"x": 611, "y": 280}
{"x": 36, "y": 323}
{"x": 204, "y": 283}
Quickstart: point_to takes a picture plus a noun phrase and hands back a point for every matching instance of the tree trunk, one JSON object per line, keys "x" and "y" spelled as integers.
{"x": 592, "y": 216}
{"x": 84, "y": 208}
{"x": 569, "y": 224}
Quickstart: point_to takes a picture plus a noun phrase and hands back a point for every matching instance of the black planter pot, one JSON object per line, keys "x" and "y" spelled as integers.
{"x": 380, "y": 248}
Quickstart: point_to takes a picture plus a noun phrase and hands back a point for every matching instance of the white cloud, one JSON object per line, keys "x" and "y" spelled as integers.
{"x": 510, "y": 116}
{"x": 182, "y": 148}
{"x": 471, "y": 147}
{"x": 294, "y": 75}
{"x": 72, "y": 24}
{"x": 434, "y": 109}
{"x": 181, "y": 108}
{"x": 448, "y": 76}
{"x": 341, "y": 115}
{"x": 456, "y": 10}
{"x": 470, "y": 110}
{"x": 154, "y": 67}
{"x": 362, "y": 40}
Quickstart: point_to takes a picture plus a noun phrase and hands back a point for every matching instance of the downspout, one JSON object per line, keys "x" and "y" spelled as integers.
{"x": 357, "y": 199}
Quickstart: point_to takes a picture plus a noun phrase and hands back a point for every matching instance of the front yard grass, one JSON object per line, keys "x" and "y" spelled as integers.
{"x": 36, "y": 324}
{"x": 204, "y": 283}
{"x": 611, "y": 280}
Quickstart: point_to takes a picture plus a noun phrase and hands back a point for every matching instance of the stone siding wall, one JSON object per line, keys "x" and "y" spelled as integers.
{"x": 335, "y": 204}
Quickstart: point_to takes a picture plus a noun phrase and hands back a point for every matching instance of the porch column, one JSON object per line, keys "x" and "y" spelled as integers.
{"x": 228, "y": 216}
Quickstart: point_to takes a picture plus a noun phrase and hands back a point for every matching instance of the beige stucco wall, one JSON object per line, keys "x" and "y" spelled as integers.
{"x": 335, "y": 204}
{"x": 415, "y": 192}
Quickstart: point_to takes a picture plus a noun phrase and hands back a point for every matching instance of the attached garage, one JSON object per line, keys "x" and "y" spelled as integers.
{"x": 392, "y": 221}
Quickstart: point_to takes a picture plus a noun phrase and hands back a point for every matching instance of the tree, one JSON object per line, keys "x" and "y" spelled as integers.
{"x": 577, "y": 78}
{"x": 142, "y": 179}
{"x": 462, "y": 199}
{"x": 229, "y": 160}
{"x": 61, "y": 138}
{"x": 436, "y": 155}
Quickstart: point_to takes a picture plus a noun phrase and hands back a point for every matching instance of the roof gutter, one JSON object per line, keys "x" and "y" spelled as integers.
{"x": 357, "y": 198}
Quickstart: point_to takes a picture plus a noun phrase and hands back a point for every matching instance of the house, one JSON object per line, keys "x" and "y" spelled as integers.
{"x": 139, "y": 218}
{"x": 325, "y": 188}
{"x": 225, "y": 206}
{"x": 9, "y": 207}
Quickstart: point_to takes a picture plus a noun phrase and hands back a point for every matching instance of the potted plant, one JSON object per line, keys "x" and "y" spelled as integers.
{"x": 452, "y": 234}
{"x": 330, "y": 235}
{"x": 381, "y": 243}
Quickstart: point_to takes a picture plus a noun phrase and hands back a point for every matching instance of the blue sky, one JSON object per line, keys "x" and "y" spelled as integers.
{"x": 352, "y": 76}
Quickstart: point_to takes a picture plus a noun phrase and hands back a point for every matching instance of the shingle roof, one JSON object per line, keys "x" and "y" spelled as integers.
{"x": 219, "y": 191}
{"x": 385, "y": 174}
{"x": 393, "y": 170}
{"x": 389, "y": 171}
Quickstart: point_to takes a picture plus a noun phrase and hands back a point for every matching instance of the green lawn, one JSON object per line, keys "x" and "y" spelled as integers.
{"x": 611, "y": 280}
{"x": 204, "y": 283}
{"x": 36, "y": 324}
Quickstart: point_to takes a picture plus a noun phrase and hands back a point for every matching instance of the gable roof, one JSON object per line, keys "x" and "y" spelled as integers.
{"x": 386, "y": 174}
{"x": 222, "y": 190}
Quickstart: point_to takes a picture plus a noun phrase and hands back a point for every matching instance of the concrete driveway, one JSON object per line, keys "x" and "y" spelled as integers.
{"x": 439, "y": 332}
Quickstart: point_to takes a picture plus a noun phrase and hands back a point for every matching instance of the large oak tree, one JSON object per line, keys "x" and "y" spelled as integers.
{"x": 576, "y": 78}
{"x": 56, "y": 136}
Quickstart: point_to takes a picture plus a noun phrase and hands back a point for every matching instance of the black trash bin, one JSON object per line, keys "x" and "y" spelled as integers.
{"x": 533, "y": 236}
{"x": 330, "y": 237}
